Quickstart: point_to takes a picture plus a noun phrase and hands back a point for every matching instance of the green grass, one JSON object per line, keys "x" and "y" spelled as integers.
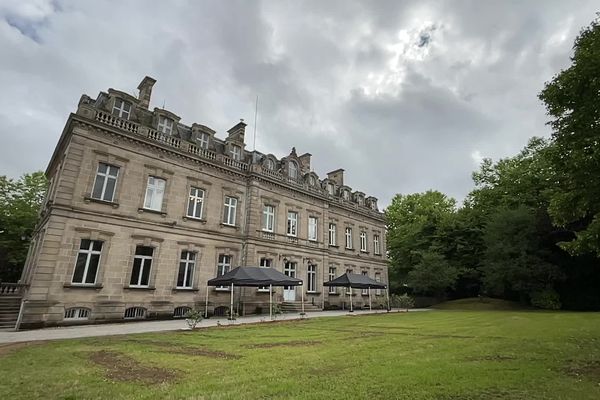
{"x": 479, "y": 304}
{"x": 424, "y": 355}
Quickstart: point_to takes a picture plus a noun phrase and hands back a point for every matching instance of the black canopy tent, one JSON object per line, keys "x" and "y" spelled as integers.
{"x": 358, "y": 281}
{"x": 254, "y": 277}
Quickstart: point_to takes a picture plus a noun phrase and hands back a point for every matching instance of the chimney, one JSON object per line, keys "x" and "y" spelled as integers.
{"x": 145, "y": 88}
{"x": 336, "y": 176}
{"x": 237, "y": 132}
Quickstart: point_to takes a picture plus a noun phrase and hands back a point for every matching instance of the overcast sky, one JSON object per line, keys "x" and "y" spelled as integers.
{"x": 406, "y": 96}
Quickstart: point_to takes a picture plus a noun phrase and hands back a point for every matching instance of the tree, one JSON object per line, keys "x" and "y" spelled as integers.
{"x": 20, "y": 202}
{"x": 572, "y": 100}
{"x": 433, "y": 275}
{"x": 516, "y": 262}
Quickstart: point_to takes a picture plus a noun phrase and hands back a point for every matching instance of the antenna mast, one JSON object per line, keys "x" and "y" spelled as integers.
{"x": 255, "y": 119}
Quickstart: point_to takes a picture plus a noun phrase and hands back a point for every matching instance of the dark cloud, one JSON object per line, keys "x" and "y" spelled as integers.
{"x": 405, "y": 96}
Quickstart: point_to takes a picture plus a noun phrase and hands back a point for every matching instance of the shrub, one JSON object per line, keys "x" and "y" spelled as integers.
{"x": 547, "y": 299}
{"x": 403, "y": 301}
{"x": 193, "y": 317}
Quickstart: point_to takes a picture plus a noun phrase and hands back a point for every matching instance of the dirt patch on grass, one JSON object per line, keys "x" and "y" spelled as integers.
{"x": 119, "y": 367}
{"x": 294, "y": 343}
{"x": 173, "y": 348}
{"x": 9, "y": 348}
{"x": 589, "y": 369}
{"x": 493, "y": 357}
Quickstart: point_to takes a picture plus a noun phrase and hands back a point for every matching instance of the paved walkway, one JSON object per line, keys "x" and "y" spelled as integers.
{"x": 72, "y": 332}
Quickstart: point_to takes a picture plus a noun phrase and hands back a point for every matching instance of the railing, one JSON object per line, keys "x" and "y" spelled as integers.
{"x": 11, "y": 289}
{"x": 230, "y": 162}
{"x": 171, "y": 141}
{"x": 111, "y": 120}
{"x": 271, "y": 173}
{"x": 199, "y": 151}
{"x": 292, "y": 239}
{"x": 268, "y": 235}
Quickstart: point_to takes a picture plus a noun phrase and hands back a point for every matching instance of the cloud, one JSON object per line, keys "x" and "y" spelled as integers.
{"x": 405, "y": 96}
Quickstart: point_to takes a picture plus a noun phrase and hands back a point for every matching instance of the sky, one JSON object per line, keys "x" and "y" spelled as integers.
{"x": 406, "y": 96}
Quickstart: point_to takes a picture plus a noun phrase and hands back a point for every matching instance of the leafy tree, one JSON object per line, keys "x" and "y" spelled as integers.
{"x": 433, "y": 274}
{"x": 572, "y": 100}
{"x": 20, "y": 202}
{"x": 516, "y": 262}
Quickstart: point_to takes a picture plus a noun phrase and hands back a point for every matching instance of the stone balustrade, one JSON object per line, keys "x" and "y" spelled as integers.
{"x": 117, "y": 122}
{"x": 11, "y": 289}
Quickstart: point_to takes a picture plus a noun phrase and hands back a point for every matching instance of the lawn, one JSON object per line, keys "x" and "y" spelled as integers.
{"x": 421, "y": 355}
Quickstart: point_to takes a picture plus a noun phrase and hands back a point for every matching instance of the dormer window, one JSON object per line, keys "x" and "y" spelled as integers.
{"x": 346, "y": 195}
{"x": 121, "y": 109}
{"x": 330, "y": 189}
{"x": 203, "y": 140}
{"x": 270, "y": 164}
{"x": 311, "y": 180}
{"x": 293, "y": 170}
{"x": 236, "y": 153}
{"x": 165, "y": 125}
{"x": 361, "y": 201}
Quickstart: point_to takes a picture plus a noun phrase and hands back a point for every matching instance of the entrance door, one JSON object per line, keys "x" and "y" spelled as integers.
{"x": 289, "y": 292}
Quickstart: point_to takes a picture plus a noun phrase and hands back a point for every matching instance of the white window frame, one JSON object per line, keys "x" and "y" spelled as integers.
{"x": 112, "y": 173}
{"x": 203, "y": 139}
{"x": 376, "y": 245}
{"x": 365, "y": 273}
{"x": 330, "y": 189}
{"x": 293, "y": 169}
{"x": 332, "y": 234}
{"x": 363, "y": 241}
{"x": 77, "y": 313}
{"x": 265, "y": 263}
{"x": 346, "y": 195}
{"x": 143, "y": 264}
{"x": 268, "y": 221}
{"x": 292, "y": 224}
{"x": 332, "y": 276}
{"x": 155, "y": 193}
{"x": 89, "y": 252}
{"x": 378, "y": 279}
{"x": 165, "y": 125}
{"x": 236, "y": 152}
{"x": 121, "y": 110}
{"x": 223, "y": 267}
{"x": 188, "y": 263}
{"x": 313, "y": 223}
{"x": 196, "y": 202}
{"x": 270, "y": 164}
{"x": 229, "y": 210}
{"x": 348, "y": 233}
{"x": 311, "y": 281}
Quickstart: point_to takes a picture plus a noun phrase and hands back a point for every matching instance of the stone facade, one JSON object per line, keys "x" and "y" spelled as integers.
{"x": 142, "y": 210}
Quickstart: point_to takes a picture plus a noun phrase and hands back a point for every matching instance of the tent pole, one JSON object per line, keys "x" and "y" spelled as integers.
{"x": 370, "y": 307}
{"x": 302, "y": 293}
{"x": 231, "y": 304}
{"x": 271, "y": 302}
{"x": 387, "y": 292}
{"x": 206, "y": 308}
{"x": 323, "y": 299}
{"x": 351, "y": 308}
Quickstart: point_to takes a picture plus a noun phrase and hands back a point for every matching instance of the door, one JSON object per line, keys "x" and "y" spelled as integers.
{"x": 289, "y": 292}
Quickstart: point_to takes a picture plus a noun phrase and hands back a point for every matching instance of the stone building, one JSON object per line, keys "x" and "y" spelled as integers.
{"x": 142, "y": 210}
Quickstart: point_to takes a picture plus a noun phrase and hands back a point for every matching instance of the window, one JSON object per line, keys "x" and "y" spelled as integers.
{"x": 348, "y": 238}
{"x": 363, "y": 241}
{"x": 293, "y": 170}
{"x": 270, "y": 164}
{"x": 181, "y": 311}
{"x": 88, "y": 259}
{"x": 332, "y": 273}
{"x": 135, "y": 313}
{"x": 203, "y": 140}
{"x": 376, "y": 248}
{"x": 223, "y": 267}
{"x": 154, "y": 193}
{"x": 121, "y": 109}
{"x": 106, "y": 182}
{"x": 229, "y": 210}
{"x": 378, "y": 279}
{"x": 187, "y": 265}
{"x": 77, "y": 313}
{"x": 312, "y": 278}
{"x": 365, "y": 291}
{"x": 361, "y": 200}
{"x": 312, "y": 181}
{"x": 268, "y": 218}
{"x": 195, "y": 202}
{"x": 292, "y": 224}
{"x": 236, "y": 153}
{"x": 265, "y": 263}
{"x": 332, "y": 235}
{"x": 330, "y": 189}
{"x": 142, "y": 263}
{"x": 165, "y": 125}
{"x": 346, "y": 195}
{"x": 312, "y": 228}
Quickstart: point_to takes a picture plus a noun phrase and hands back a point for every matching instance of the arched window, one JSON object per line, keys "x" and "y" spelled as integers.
{"x": 293, "y": 170}
{"x": 312, "y": 181}
{"x": 181, "y": 311}
{"x": 77, "y": 313}
{"x": 270, "y": 164}
{"x": 135, "y": 313}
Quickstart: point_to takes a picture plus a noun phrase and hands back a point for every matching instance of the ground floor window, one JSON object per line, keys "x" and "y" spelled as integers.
{"x": 365, "y": 291}
{"x": 223, "y": 267}
{"x": 332, "y": 273}
{"x": 142, "y": 263}
{"x": 77, "y": 313}
{"x": 265, "y": 263}
{"x": 312, "y": 278}
{"x": 187, "y": 264}
{"x": 135, "y": 313}
{"x": 378, "y": 279}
